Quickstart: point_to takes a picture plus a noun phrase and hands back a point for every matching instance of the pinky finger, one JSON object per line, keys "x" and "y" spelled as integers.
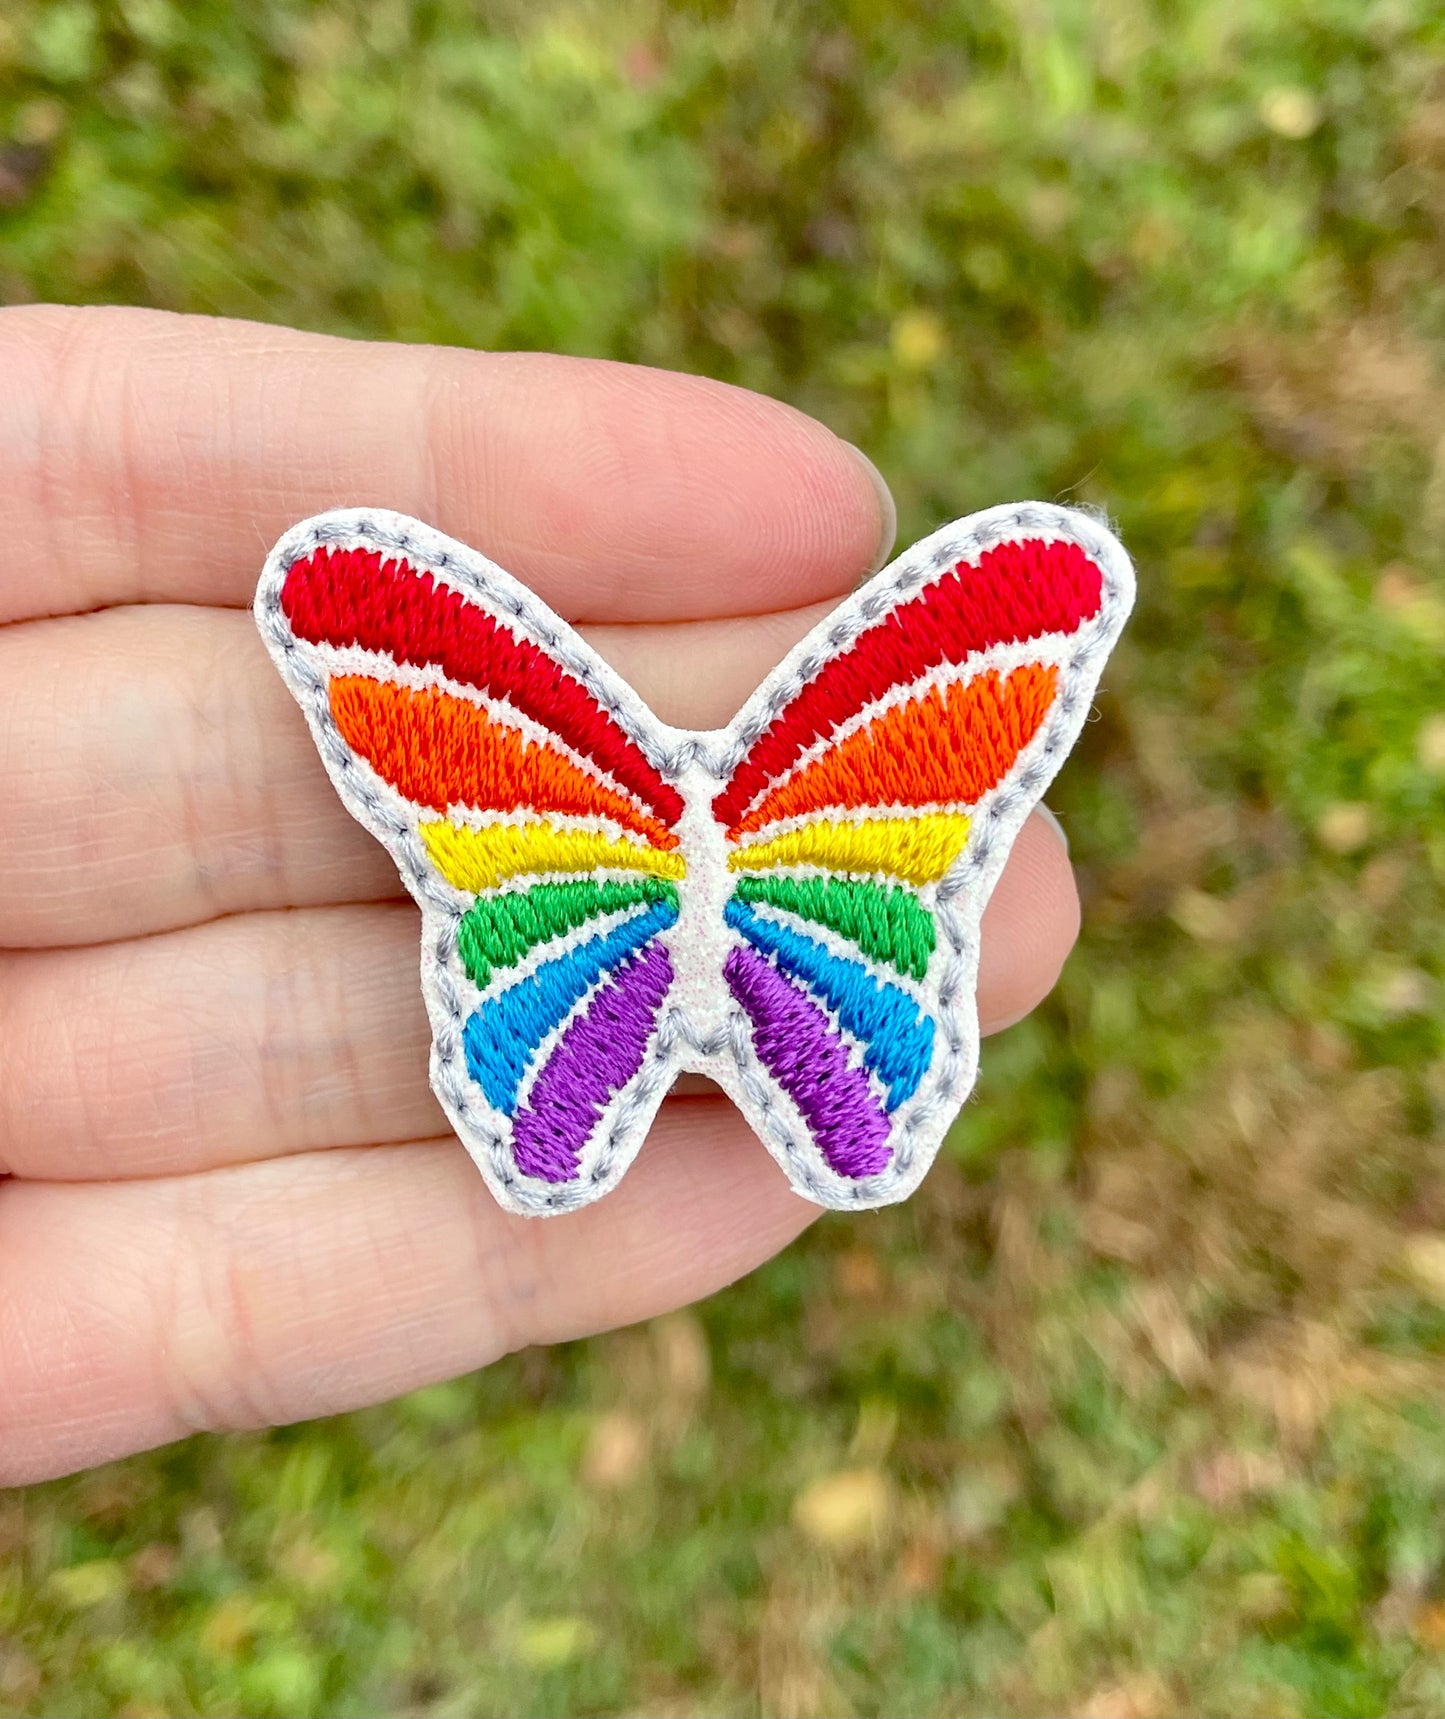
{"x": 135, "y": 1313}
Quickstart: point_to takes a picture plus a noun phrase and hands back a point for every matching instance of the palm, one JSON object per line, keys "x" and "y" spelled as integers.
{"x": 232, "y": 1199}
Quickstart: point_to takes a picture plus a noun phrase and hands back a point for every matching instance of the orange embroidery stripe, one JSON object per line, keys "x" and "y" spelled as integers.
{"x": 438, "y": 750}
{"x": 945, "y": 748}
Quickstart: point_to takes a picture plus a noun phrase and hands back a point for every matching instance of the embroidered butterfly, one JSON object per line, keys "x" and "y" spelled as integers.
{"x": 789, "y": 905}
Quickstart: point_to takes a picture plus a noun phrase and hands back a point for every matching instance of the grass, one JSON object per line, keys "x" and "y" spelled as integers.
{"x": 1137, "y": 1407}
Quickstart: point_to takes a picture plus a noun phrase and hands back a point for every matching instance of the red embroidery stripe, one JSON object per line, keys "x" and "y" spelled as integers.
{"x": 355, "y": 596}
{"x": 1017, "y": 591}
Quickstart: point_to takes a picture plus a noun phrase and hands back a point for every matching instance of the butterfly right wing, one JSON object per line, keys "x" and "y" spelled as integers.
{"x": 875, "y": 785}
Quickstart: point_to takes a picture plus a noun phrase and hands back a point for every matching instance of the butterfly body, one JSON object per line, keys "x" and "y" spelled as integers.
{"x": 789, "y": 905}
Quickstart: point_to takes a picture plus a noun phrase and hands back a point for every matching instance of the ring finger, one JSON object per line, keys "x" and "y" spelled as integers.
{"x": 265, "y": 1034}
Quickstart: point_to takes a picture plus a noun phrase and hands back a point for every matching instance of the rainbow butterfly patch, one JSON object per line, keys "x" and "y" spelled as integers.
{"x": 789, "y": 905}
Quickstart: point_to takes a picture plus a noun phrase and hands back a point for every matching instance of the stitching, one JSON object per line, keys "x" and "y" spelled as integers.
{"x": 1045, "y": 651}
{"x": 928, "y": 560}
{"x": 472, "y": 575}
{"x": 439, "y": 751}
{"x": 397, "y": 607}
{"x": 885, "y": 922}
{"x": 601, "y": 1050}
{"x": 501, "y": 1037}
{"x": 502, "y": 928}
{"x": 342, "y": 660}
{"x": 477, "y": 859}
{"x": 895, "y": 1038}
{"x": 677, "y": 1042}
{"x": 809, "y": 1060}
{"x": 918, "y": 849}
{"x": 971, "y": 879}
{"x": 1011, "y": 592}
{"x": 952, "y": 745}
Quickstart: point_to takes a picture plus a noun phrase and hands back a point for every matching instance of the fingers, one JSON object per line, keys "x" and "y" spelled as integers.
{"x": 146, "y": 457}
{"x": 250, "y": 1037}
{"x": 1029, "y": 926}
{"x": 272, "y": 1033}
{"x": 138, "y": 1312}
{"x": 155, "y": 772}
{"x": 700, "y": 675}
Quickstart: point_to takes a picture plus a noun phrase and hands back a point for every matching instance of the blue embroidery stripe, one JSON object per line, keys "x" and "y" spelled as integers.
{"x": 502, "y": 1037}
{"x": 897, "y": 1039}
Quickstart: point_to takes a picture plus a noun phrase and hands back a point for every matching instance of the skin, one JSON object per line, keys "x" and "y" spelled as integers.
{"x": 229, "y": 1198}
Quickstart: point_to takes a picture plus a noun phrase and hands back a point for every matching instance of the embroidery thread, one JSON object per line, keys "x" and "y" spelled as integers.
{"x": 789, "y": 905}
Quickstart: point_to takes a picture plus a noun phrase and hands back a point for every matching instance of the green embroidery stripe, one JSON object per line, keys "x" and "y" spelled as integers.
{"x": 885, "y": 922}
{"x": 500, "y": 929}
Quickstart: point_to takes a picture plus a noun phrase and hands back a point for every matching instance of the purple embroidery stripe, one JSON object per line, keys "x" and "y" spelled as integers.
{"x": 798, "y": 1047}
{"x": 596, "y": 1056}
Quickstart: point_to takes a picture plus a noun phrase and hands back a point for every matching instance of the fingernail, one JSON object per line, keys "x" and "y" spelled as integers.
{"x": 1054, "y": 824}
{"x": 887, "y": 509}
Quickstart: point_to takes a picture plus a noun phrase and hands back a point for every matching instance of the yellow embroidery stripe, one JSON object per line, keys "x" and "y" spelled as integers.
{"x": 474, "y": 860}
{"x": 919, "y": 850}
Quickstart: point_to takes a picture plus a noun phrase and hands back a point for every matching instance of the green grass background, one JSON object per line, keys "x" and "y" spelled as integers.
{"x": 1137, "y": 1407}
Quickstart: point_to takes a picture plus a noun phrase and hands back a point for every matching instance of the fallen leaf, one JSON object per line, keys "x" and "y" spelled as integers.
{"x": 1290, "y": 112}
{"x": 1429, "y": 1627}
{"x": 859, "y": 1274}
{"x": 920, "y": 1567}
{"x": 1430, "y": 745}
{"x": 544, "y": 1642}
{"x": 153, "y": 1566}
{"x": 1140, "y": 1697}
{"x": 1204, "y": 917}
{"x": 682, "y": 1351}
{"x": 918, "y": 340}
{"x": 1229, "y": 1476}
{"x": 1345, "y": 827}
{"x": 231, "y": 1624}
{"x": 1423, "y": 1258}
{"x": 81, "y": 1586}
{"x": 846, "y": 1509}
{"x": 616, "y": 1451}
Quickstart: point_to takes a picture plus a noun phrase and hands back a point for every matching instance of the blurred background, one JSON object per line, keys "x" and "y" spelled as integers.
{"x": 1137, "y": 1407}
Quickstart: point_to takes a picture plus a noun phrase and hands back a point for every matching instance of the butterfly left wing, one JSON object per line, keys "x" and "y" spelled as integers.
{"x": 870, "y": 793}
{"x": 524, "y": 793}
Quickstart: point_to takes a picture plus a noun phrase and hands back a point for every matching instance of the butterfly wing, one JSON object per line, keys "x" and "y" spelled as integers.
{"x": 524, "y": 792}
{"x": 872, "y": 790}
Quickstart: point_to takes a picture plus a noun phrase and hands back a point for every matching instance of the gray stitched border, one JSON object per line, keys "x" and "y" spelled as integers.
{"x": 726, "y": 1054}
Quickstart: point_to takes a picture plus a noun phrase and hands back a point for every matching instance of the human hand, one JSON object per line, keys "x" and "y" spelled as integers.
{"x": 232, "y": 1199}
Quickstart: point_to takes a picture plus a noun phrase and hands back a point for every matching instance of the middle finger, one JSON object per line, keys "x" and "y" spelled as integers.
{"x": 156, "y": 773}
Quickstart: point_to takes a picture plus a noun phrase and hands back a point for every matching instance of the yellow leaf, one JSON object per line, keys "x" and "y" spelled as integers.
{"x": 1345, "y": 827}
{"x": 850, "y": 1508}
{"x": 616, "y": 1451}
{"x": 1291, "y": 113}
{"x": 683, "y": 1354}
{"x": 1430, "y": 745}
{"x": 231, "y": 1623}
{"x": 1424, "y": 1263}
{"x": 82, "y": 1586}
{"x": 918, "y": 339}
{"x": 544, "y": 1642}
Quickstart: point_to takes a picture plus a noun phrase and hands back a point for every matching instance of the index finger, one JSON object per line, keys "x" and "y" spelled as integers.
{"x": 149, "y": 457}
